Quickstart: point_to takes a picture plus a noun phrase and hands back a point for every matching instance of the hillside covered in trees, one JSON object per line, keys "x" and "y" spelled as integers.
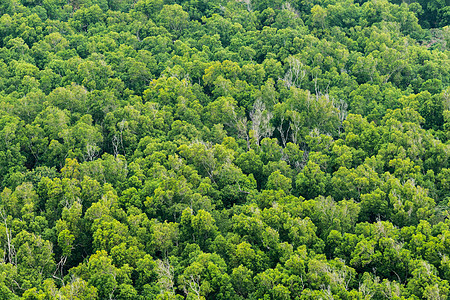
{"x": 225, "y": 149}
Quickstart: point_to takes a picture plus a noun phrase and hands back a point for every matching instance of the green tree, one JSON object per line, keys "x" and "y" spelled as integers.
{"x": 311, "y": 181}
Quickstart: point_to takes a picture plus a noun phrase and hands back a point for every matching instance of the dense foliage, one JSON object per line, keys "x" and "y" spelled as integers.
{"x": 224, "y": 149}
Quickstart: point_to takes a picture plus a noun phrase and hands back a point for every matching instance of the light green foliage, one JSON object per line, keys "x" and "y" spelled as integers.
{"x": 224, "y": 149}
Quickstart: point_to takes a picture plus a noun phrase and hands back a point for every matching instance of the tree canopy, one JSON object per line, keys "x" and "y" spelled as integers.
{"x": 254, "y": 149}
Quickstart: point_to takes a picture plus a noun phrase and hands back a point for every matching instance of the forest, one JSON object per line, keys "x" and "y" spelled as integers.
{"x": 224, "y": 149}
